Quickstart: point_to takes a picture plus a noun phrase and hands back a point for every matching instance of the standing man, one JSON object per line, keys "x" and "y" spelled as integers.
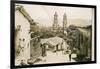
{"x": 43, "y": 52}
{"x": 70, "y": 53}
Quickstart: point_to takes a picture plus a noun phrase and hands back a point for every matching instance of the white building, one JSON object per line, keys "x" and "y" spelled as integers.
{"x": 22, "y": 34}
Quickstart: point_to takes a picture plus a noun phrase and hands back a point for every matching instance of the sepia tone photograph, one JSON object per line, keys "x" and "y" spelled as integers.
{"x": 49, "y": 34}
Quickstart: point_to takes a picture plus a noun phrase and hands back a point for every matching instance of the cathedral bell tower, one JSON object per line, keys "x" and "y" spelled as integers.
{"x": 55, "y": 23}
{"x": 64, "y": 22}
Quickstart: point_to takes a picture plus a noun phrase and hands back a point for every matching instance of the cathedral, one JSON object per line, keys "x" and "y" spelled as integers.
{"x": 56, "y": 27}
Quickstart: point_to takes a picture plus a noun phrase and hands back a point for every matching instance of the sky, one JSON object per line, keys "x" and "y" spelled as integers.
{"x": 44, "y": 14}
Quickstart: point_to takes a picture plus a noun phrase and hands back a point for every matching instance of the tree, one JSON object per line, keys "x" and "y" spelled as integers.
{"x": 72, "y": 36}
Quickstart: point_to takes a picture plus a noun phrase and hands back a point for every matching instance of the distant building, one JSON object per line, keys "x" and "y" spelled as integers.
{"x": 55, "y": 23}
